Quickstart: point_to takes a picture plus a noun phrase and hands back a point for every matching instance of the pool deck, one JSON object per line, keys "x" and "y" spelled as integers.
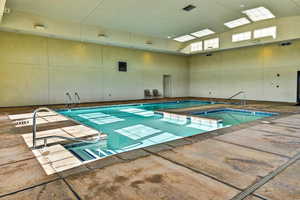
{"x": 252, "y": 161}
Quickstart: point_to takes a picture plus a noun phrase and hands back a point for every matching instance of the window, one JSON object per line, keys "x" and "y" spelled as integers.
{"x": 237, "y": 22}
{"x": 184, "y": 38}
{"x": 203, "y": 33}
{"x": 241, "y": 36}
{"x": 265, "y": 32}
{"x": 211, "y": 44}
{"x": 260, "y": 13}
{"x": 197, "y": 46}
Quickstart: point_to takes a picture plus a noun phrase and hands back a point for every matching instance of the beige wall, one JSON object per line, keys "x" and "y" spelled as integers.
{"x": 38, "y": 70}
{"x": 251, "y": 69}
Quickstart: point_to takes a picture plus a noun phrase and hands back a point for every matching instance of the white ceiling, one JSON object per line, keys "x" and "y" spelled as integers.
{"x": 159, "y": 18}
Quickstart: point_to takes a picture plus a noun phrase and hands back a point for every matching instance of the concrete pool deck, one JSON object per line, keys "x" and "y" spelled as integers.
{"x": 252, "y": 161}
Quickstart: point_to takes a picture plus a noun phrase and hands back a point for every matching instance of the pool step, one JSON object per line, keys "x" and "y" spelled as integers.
{"x": 175, "y": 118}
{"x": 206, "y": 124}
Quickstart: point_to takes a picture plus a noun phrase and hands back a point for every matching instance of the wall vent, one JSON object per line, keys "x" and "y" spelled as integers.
{"x": 189, "y": 8}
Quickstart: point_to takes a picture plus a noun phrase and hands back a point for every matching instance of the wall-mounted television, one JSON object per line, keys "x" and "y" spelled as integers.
{"x": 122, "y": 66}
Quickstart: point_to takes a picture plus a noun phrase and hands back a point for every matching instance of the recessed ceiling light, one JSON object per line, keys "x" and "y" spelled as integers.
{"x": 237, "y": 22}
{"x": 184, "y": 38}
{"x": 203, "y": 33}
{"x": 260, "y": 13}
{"x": 169, "y": 37}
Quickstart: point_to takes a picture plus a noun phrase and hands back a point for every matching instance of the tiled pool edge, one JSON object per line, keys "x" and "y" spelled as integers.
{"x": 80, "y": 170}
{"x": 147, "y": 151}
{"x": 138, "y": 153}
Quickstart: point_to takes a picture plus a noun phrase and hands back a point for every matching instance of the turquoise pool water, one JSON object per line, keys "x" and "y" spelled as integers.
{"x": 135, "y": 126}
{"x": 233, "y": 116}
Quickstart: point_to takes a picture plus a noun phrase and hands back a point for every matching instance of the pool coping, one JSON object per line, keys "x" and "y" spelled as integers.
{"x": 81, "y": 171}
{"x": 141, "y": 152}
{"x": 154, "y": 149}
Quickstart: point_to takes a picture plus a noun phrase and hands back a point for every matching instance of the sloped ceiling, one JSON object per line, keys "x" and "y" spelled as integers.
{"x": 157, "y": 18}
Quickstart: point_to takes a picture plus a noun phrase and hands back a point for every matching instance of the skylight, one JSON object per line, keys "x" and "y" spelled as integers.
{"x": 211, "y": 44}
{"x": 265, "y": 32}
{"x": 260, "y": 13}
{"x": 203, "y": 33}
{"x": 184, "y": 38}
{"x": 197, "y": 46}
{"x": 241, "y": 36}
{"x": 237, "y": 22}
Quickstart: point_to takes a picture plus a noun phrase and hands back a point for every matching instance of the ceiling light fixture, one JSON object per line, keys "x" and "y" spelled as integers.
{"x": 184, "y": 38}
{"x": 237, "y": 22}
{"x": 203, "y": 33}
{"x": 258, "y": 14}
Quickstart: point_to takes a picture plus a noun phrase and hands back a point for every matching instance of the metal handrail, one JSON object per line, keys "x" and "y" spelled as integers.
{"x": 68, "y": 105}
{"x": 236, "y": 94}
{"x": 243, "y": 101}
{"x": 78, "y": 98}
{"x": 34, "y": 138}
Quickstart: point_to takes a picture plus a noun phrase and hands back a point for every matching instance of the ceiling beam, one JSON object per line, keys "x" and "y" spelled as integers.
{"x": 2, "y": 8}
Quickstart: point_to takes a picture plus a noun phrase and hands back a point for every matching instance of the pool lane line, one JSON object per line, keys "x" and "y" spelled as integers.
{"x": 266, "y": 179}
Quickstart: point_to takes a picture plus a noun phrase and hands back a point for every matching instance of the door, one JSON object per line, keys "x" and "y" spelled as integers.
{"x": 298, "y": 88}
{"x": 167, "y": 85}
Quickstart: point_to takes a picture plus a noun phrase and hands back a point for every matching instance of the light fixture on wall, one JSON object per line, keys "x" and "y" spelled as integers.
{"x": 286, "y": 43}
{"x": 148, "y": 42}
{"x": 40, "y": 27}
{"x": 102, "y": 35}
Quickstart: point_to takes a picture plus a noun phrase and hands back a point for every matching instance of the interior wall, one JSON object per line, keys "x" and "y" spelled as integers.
{"x": 267, "y": 72}
{"x": 38, "y": 70}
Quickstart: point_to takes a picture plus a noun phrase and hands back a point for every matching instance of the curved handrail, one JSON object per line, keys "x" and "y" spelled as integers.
{"x": 236, "y": 94}
{"x": 70, "y": 100}
{"x": 243, "y": 101}
{"x": 78, "y": 98}
{"x": 34, "y": 138}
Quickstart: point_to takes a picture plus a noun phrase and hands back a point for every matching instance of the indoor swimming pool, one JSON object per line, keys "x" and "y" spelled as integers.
{"x": 135, "y": 126}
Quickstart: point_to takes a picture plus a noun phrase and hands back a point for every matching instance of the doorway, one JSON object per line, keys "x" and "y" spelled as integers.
{"x": 167, "y": 85}
{"x": 298, "y": 88}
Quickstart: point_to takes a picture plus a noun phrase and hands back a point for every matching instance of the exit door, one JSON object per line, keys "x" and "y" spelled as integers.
{"x": 167, "y": 85}
{"x": 298, "y": 88}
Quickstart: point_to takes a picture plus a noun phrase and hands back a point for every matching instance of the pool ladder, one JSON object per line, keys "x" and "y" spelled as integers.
{"x": 70, "y": 101}
{"x": 34, "y": 127}
{"x": 243, "y": 101}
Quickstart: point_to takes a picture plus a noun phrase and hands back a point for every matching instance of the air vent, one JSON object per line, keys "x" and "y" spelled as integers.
{"x": 189, "y": 8}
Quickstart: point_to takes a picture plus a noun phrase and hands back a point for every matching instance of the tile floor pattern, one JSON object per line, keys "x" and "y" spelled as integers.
{"x": 198, "y": 169}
